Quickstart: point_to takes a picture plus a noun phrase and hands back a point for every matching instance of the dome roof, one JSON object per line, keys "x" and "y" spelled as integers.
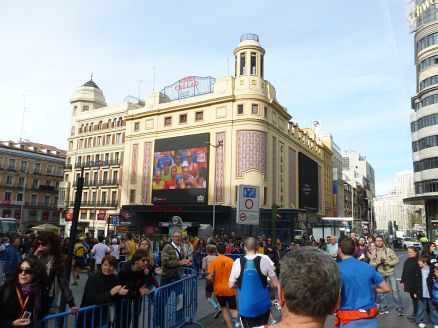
{"x": 91, "y": 84}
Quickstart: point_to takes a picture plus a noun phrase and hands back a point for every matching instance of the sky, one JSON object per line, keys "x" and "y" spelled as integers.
{"x": 347, "y": 63}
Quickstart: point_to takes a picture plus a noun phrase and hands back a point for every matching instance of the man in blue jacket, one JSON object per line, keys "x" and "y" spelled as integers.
{"x": 12, "y": 256}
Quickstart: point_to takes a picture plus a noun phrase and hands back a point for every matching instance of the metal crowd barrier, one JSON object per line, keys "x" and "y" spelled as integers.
{"x": 197, "y": 260}
{"x": 170, "y": 306}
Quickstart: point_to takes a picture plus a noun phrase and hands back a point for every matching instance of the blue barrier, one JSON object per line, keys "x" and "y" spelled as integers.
{"x": 170, "y": 306}
{"x": 197, "y": 260}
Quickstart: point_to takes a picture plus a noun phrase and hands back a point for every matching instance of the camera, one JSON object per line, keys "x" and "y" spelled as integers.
{"x": 382, "y": 261}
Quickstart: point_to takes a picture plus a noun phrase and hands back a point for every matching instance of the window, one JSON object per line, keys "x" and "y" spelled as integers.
{"x": 261, "y": 66}
{"x": 46, "y": 200}
{"x": 48, "y": 183}
{"x": 255, "y": 109}
{"x": 21, "y": 181}
{"x": 265, "y": 196}
{"x": 240, "y": 109}
{"x": 49, "y": 169}
{"x": 70, "y": 145}
{"x": 116, "y": 156}
{"x": 265, "y": 113}
{"x": 100, "y": 125}
{"x": 114, "y": 196}
{"x": 85, "y": 196}
{"x": 99, "y": 141}
{"x": 105, "y": 176}
{"x": 118, "y": 138}
{"x": 9, "y": 180}
{"x": 199, "y": 116}
{"x": 90, "y": 142}
{"x": 23, "y": 167}
{"x": 35, "y": 182}
{"x": 80, "y": 143}
{"x": 106, "y": 157}
{"x": 33, "y": 199}
{"x": 85, "y": 108}
{"x": 119, "y": 122}
{"x": 1, "y": 162}
{"x": 115, "y": 176}
{"x": 253, "y": 63}
{"x": 11, "y": 164}
{"x": 242, "y": 64}
{"x": 8, "y": 195}
{"x": 94, "y": 197}
{"x": 183, "y": 118}
{"x": 103, "y": 197}
{"x": 19, "y": 197}
{"x": 132, "y": 196}
{"x": 137, "y": 126}
{"x": 167, "y": 121}
{"x": 108, "y": 139}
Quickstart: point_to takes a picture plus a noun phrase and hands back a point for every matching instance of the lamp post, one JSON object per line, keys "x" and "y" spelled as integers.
{"x": 219, "y": 144}
{"x": 95, "y": 200}
{"x": 22, "y": 202}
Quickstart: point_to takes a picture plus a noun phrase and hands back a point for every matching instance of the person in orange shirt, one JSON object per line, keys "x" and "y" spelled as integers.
{"x": 219, "y": 271}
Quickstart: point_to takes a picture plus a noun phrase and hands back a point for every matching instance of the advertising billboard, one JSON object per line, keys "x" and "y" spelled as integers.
{"x": 180, "y": 172}
{"x": 308, "y": 182}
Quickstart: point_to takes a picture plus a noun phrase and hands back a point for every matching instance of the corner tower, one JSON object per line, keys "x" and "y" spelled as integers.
{"x": 87, "y": 98}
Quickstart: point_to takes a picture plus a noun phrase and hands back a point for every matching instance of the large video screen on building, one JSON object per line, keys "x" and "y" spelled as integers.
{"x": 180, "y": 173}
{"x": 308, "y": 182}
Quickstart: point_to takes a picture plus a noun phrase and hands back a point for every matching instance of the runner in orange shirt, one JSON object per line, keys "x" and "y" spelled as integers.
{"x": 219, "y": 271}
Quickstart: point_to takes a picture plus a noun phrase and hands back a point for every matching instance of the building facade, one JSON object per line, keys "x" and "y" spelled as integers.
{"x": 95, "y": 151}
{"x": 189, "y": 147}
{"x": 424, "y": 118}
{"x": 30, "y": 175}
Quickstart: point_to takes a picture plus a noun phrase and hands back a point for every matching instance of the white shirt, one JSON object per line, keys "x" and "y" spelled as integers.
{"x": 265, "y": 267}
{"x": 425, "y": 274}
{"x": 179, "y": 250}
{"x": 99, "y": 251}
{"x": 116, "y": 251}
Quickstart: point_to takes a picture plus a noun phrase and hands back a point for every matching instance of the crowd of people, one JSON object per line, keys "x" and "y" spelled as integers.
{"x": 303, "y": 282}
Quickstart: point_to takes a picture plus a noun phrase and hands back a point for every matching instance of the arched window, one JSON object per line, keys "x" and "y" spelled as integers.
{"x": 86, "y": 127}
{"x": 114, "y": 122}
{"x": 100, "y": 126}
{"x": 119, "y": 122}
{"x": 109, "y": 123}
{"x": 91, "y": 126}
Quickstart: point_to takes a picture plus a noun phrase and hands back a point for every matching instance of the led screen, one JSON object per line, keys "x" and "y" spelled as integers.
{"x": 308, "y": 182}
{"x": 180, "y": 173}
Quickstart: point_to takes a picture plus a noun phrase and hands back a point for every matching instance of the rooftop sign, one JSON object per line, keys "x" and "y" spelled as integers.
{"x": 189, "y": 86}
{"x": 417, "y": 16}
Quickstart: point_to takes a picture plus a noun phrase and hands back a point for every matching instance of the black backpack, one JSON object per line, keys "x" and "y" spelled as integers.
{"x": 257, "y": 260}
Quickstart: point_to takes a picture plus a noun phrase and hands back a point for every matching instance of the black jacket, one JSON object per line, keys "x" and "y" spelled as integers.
{"x": 10, "y": 309}
{"x": 97, "y": 291}
{"x": 411, "y": 275}
{"x": 429, "y": 281}
{"x": 132, "y": 279}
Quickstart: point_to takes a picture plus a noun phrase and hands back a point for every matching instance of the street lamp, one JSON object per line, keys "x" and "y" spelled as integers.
{"x": 95, "y": 198}
{"x": 22, "y": 202}
{"x": 219, "y": 144}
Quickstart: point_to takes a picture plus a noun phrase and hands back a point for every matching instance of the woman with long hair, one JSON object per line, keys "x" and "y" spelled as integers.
{"x": 150, "y": 271}
{"x": 48, "y": 249}
{"x": 410, "y": 278}
{"x": 23, "y": 298}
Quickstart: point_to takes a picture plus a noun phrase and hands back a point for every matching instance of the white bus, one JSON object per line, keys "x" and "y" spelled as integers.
{"x": 8, "y": 225}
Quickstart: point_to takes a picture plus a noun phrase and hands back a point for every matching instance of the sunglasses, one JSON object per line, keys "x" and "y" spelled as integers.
{"x": 25, "y": 271}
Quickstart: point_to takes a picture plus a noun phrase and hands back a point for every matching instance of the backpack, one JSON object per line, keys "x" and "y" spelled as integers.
{"x": 257, "y": 260}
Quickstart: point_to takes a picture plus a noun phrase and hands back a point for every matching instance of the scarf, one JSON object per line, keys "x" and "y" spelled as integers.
{"x": 35, "y": 292}
{"x": 48, "y": 261}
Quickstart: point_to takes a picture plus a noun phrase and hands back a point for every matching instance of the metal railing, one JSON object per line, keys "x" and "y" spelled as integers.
{"x": 97, "y": 203}
{"x": 172, "y": 305}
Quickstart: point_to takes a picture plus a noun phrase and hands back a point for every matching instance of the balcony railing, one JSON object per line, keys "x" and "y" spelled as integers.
{"x": 102, "y": 183}
{"x": 97, "y": 203}
{"x": 28, "y": 204}
{"x": 67, "y": 166}
{"x": 89, "y": 164}
{"x": 36, "y": 171}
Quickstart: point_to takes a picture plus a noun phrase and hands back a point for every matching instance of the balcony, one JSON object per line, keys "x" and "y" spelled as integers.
{"x": 28, "y": 204}
{"x": 99, "y": 183}
{"x": 36, "y": 171}
{"x": 90, "y": 164}
{"x": 11, "y": 168}
{"x": 97, "y": 204}
{"x": 67, "y": 166}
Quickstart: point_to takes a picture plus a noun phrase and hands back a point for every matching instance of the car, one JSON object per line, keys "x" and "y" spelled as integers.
{"x": 408, "y": 242}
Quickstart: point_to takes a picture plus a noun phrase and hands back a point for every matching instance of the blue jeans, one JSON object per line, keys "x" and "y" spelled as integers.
{"x": 395, "y": 294}
{"x": 423, "y": 303}
{"x": 362, "y": 323}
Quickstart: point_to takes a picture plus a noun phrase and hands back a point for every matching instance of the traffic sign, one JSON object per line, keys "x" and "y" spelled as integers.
{"x": 248, "y": 205}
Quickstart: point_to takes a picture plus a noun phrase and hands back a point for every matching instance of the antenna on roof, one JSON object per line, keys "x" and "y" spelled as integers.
{"x": 22, "y": 117}
{"x": 153, "y": 83}
{"x": 91, "y": 76}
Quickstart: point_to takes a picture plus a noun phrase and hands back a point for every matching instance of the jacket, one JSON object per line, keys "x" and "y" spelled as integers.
{"x": 97, "y": 291}
{"x": 389, "y": 256}
{"x": 10, "y": 308}
{"x": 170, "y": 261}
{"x": 133, "y": 280}
{"x": 12, "y": 258}
{"x": 410, "y": 275}
{"x": 429, "y": 282}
